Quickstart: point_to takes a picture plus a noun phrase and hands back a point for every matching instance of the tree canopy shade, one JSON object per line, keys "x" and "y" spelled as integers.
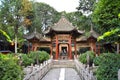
{"x": 12, "y": 13}
{"x": 79, "y": 20}
{"x": 42, "y": 16}
{"x": 105, "y": 15}
{"x": 111, "y": 36}
{"x": 86, "y": 6}
{"x": 4, "y": 36}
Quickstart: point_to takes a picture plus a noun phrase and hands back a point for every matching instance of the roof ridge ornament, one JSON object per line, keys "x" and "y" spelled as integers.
{"x": 91, "y": 30}
{"x": 63, "y": 15}
{"x": 35, "y": 31}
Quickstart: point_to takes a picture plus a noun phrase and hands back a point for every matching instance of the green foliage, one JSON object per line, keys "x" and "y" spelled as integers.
{"x": 109, "y": 64}
{"x": 42, "y": 16}
{"x": 119, "y": 15}
{"x": 43, "y": 56}
{"x": 97, "y": 59}
{"x": 40, "y": 55}
{"x": 83, "y": 57}
{"x": 86, "y": 5}
{"x": 110, "y": 36}
{"x": 9, "y": 69}
{"x": 12, "y": 13}
{"x": 26, "y": 60}
{"x": 6, "y": 35}
{"x": 79, "y": 20}
{"x": 106, "y": 17}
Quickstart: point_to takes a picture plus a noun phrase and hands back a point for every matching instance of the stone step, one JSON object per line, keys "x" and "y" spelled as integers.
{"x": 63, "y": 63}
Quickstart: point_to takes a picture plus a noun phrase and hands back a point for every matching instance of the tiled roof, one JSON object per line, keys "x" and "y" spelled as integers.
{"x": 63, "y": 25}
{"x": 82, "y": 38}
{"x": 35, "y": 35}
{"x": 93, "y": 33}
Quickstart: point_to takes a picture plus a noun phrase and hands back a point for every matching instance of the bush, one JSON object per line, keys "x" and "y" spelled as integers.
{"x": 109, "y": 64}
{"x": 26, "y": 60}
{"x": 97, "y": 60}
{"x": 40, "y": 55}
{"x": 83, "y": 57}
{"x": 43, "y": 56}
{"x": 9, "y": 69}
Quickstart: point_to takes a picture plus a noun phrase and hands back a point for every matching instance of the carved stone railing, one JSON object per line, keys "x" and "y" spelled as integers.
{"x": 84, "y": 72}
{"x": 38, "y": 71}
{"x": 119, "y": 74}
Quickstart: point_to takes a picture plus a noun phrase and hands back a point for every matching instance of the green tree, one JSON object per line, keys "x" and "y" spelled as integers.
{"x": 86, "y": 6}
{"x": 12, "y": 14}
{"x": 105, "y": 15}
{"x": 79, "y": 20}
{"x": 42, "y": 16}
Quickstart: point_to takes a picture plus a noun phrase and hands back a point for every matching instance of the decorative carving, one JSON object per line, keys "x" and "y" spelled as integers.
{"x": 63, "y": 37}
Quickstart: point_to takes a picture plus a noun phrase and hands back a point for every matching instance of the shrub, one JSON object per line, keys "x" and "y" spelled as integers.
{"x": 83, "y": 57}
{"x": 26, "y": 60}
{"x": 97, "y": 60}
{"x": 39, "y": 55}
{"x": 43, "y": 56}
{"x": 109, "y": 64}
{"x": 9, "y": 69}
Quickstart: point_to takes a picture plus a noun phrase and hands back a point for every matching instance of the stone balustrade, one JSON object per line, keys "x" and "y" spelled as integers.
{"x": 84, "y": 72}
{"x": 119, "y": 74}
{"x": 38, "y": 71}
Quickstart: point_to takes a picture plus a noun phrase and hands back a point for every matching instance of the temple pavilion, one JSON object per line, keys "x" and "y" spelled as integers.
{"x": 63, "y": 39}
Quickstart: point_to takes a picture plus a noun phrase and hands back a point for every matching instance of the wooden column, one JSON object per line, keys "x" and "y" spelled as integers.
{"x": 51, "y": 50}
{"x": 28, "y": 47}
{"x": 98, "y": 49}
{"x": 56, "y": 56}
{"x": 75, "y": 48}
{"x": 70, "y": 53}
{"x": 33, "y": 47}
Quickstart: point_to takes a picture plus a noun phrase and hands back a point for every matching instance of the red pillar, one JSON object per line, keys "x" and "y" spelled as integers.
{"x": 28, "y": 47}
{"x": 51, "y": 50}
{"x": 98, "y": 50}
{"x": 56, "y": 56}
{"x": 70, "y": 53}
{"x": 75, "y": 48}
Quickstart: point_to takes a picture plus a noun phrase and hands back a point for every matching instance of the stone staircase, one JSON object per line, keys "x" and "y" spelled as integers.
{"x": 63, "y": 63}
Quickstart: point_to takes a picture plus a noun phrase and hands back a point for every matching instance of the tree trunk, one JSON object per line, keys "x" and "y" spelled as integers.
{"x": 118, "y": 48}
{"x": 15, "y": 43}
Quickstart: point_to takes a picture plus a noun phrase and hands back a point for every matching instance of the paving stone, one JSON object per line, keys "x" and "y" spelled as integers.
{"x": 70, "y": 74}
{"x": 53, "y": 74}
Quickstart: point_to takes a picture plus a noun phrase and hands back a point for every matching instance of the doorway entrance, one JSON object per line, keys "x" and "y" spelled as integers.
{"x": 63, "y": 51}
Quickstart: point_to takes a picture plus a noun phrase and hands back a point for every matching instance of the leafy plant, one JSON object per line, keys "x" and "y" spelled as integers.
{"x": 39, "y": 56}
{"x": 97, "y": 60}
{"x": 26, "y": 60}
{"x": 109, "y": 64}
{"x": 43, "y": 56}
{"x": 9, "y": 69}
{"x": 83, "y": 57}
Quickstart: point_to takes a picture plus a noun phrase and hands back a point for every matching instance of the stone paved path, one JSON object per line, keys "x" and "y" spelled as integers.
{"x": 67, "y": 73}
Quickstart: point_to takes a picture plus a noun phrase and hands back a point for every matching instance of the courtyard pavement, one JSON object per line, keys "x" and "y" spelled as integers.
{"x": 62, "y": 74}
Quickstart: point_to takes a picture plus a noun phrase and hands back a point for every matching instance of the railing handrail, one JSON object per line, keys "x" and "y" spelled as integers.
{"x": 42, "y": 69}
{"x": 83, "y": 71}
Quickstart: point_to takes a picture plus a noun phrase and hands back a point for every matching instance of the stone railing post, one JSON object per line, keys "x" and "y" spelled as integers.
{"x": 119, "y": 74}
{"x": 38, "y": 71}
